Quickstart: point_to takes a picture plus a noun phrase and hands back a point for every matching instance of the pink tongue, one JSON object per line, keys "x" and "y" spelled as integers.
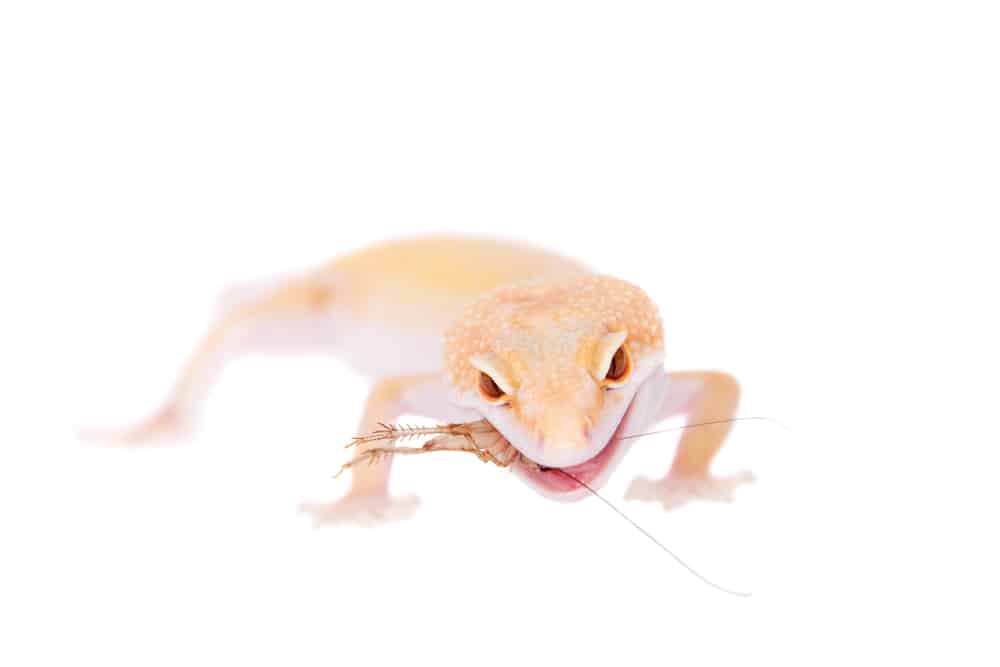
{"x": 556, "y": 481}
{"x": 585, "y": 472}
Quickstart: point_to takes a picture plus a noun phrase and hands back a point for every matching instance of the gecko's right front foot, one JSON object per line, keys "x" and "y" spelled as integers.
{"x": 363, "y": 509}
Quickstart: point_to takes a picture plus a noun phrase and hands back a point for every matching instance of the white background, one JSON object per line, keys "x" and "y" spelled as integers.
{"x": 807, "y": 189}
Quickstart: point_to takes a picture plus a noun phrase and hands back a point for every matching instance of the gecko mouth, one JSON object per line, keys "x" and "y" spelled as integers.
{"x": 560, "y": 481}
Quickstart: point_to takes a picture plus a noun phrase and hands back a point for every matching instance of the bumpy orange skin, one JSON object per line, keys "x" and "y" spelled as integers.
{"x": 544, "y": 333}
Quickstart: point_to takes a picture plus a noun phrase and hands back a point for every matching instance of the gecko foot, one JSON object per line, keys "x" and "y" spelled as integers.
{"x": 362, "y": 510}
{"x": 675, "y": 490}
{"x": 165, "y": 427}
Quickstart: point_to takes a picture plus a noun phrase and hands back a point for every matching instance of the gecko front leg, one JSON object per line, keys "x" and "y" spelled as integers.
{"x": 705, "y": 396}
{"x": 367, "y": 500}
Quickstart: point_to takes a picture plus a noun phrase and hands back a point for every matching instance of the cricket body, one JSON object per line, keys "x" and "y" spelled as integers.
{"x": 560, "y": 360}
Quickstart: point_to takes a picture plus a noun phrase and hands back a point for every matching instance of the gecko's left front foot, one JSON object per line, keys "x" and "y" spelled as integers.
{"x": 168, "y": 426}
{"x": 675, "y": 490}
{"x": 361, "y": 509}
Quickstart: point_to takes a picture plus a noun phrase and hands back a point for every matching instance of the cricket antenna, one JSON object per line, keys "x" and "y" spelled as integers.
{"x": 652, "y": 539}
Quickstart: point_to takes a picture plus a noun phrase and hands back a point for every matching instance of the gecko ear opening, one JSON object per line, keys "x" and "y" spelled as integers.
{"x": 494, "y": 384}
{"x": 612, "y": 364}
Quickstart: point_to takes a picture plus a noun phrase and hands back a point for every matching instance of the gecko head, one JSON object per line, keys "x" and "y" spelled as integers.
{"x": 554, "y": 367}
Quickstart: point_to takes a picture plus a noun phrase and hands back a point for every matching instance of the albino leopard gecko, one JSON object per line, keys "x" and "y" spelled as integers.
{"x": 559, "y": 359}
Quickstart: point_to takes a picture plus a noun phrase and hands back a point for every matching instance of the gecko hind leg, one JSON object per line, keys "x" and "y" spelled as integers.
{"x": 286, "y": 317}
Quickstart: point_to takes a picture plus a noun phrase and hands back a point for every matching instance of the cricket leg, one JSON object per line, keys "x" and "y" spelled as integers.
{"x": 367, "y": 500}
{"x": 286, "y": 317}
{"x": 709, "y": 400}
{"x": 445, "y": 441}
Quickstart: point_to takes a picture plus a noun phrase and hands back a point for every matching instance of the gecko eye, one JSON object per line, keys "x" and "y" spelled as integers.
{"x": 619, "y": 368}
{"x": 490, "y": 390}
{"x": 494, "y": 385}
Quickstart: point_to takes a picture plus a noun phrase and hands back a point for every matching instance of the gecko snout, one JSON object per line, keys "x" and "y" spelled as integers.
{"x": 563, "y": 441}
{"x": 557, "y": 412}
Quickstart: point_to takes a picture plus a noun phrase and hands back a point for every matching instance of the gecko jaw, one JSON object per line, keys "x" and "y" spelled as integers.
{"x": 552, "y": 482}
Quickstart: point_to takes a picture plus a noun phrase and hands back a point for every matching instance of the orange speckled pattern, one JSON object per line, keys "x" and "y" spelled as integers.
{"x": 544, "y": 334}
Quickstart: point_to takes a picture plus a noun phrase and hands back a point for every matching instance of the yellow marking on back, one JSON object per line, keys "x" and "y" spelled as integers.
{"x": 432, "y": 279}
